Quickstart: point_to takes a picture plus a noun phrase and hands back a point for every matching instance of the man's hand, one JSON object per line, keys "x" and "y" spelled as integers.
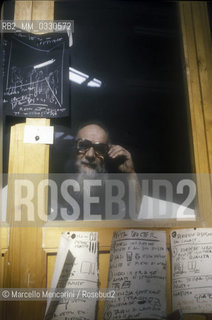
{"x": 123, "y": 158}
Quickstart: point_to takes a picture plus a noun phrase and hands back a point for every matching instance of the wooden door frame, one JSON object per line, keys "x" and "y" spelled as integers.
{"x": 197, "y": 49}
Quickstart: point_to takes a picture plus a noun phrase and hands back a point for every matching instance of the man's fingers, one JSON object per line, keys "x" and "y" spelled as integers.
{"x": 116, "y": 150}
{"x": 119, "y": 153}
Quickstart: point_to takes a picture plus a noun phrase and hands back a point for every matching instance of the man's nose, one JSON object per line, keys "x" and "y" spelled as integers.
{"x": 90, "y": 154}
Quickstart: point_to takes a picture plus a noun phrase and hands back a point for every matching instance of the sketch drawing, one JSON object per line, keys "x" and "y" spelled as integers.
{"x": 87, "y": 267}
{"x": 35, "y": 86}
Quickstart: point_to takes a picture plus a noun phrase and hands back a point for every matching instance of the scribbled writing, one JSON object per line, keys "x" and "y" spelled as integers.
{"x": 137, "y": 273}
{"x": 192, "y": 270}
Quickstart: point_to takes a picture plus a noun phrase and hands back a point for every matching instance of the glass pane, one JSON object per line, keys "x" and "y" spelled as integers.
{"x": 134, "y": 49}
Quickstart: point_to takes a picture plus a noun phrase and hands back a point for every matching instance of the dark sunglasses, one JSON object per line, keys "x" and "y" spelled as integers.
{"x": 100, "y": 149}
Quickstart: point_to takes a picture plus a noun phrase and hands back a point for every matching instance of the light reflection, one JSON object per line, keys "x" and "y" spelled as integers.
{"x": 80, "y": 77}
{"x": 77, "y": 76}
{"x": 94, "y": 83}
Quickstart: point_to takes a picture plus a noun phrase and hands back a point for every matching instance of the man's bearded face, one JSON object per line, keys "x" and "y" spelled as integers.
{"x": 90, "y": 160}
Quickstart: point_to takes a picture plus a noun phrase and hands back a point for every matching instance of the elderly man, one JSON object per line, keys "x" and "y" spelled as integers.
{"x": 93, "y": 191}
{"x": 95, "y": 155}
{"x": 94, "y": 151}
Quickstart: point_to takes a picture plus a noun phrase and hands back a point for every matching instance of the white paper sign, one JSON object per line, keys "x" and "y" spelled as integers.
{"x": 137, "y": 274}
{"x": 75, "y": 269}
{"x": 192, "y": 270}
{"x": 38, "y": 134}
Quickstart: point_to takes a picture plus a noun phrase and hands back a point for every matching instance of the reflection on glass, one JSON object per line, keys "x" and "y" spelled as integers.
{"x": 77, "y": 76}
{"x": 94, "y": 83}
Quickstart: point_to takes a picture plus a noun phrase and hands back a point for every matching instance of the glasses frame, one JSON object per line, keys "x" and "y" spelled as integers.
{"x": 93, "y": 145}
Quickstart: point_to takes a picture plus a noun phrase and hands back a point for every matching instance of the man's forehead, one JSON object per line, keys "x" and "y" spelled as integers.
{"x": 93, "y": 133}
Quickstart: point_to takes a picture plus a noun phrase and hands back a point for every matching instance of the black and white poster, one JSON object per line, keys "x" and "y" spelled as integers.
{"x": 35, "y": 75}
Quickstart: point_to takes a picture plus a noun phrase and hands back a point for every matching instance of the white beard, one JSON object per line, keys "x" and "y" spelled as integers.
{"x": 89, "y": 172}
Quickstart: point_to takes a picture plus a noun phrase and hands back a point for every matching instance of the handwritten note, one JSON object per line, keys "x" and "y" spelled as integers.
{"x": 35, "y": 75}
{"x": 137, "y": 273}
{"x": 192, "y": 270}
{"x": 75, "y": 270}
